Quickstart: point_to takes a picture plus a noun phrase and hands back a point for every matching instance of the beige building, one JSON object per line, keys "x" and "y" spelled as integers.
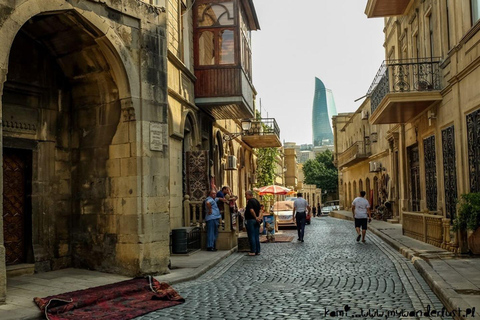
{"x": 425, "y": 95}
{"x": 312, "y": 194}
{"x": 362, "y": 159}
{"x": 291, "y": 166}
{"x": 280, "y": 168}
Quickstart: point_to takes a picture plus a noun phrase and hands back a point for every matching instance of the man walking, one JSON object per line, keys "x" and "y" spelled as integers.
{"x": 253, "y": 218}
{"x": 300, "y": 207}
{"x": 360, "y": 208}
{"x": 212, "y": 219}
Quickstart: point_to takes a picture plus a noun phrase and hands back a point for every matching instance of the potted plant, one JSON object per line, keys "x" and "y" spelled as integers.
{"x": 468, "y": 218}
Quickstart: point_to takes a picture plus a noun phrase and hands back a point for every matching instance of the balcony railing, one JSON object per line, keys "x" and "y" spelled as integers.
{"x": 264, "y": 133}
{"x": 355, "y": 153}
{"x": 399, "y": 76}
{"x": 429, "y": 228}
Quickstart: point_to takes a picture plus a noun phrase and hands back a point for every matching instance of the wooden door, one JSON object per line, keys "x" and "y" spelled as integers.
{"x": 15, "y": 167}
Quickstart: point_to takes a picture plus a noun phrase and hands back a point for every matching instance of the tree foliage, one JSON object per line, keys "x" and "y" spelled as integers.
{"x": 266, "y": 160}
{"x": 322, "y": 172}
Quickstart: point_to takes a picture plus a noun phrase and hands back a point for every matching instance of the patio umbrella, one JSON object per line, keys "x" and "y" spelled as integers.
{"x": 273, "y": 189}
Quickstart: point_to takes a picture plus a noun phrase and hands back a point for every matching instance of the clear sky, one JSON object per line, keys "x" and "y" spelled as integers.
{"x": 303, "y": 39}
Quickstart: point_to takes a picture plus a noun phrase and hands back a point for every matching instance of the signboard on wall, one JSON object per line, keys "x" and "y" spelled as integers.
{"x": 158, "y": 136}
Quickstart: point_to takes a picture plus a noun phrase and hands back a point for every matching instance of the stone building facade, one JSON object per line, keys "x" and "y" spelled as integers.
{"x": 363, "y": 160}
{"x": 425, "y": 94}
{"x": 83, "y": 89}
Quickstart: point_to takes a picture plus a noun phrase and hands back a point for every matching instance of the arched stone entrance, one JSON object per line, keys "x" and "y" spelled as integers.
{"x": 62, "y": 106}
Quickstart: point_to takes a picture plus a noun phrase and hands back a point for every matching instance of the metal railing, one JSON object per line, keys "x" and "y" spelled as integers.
{"x": 264, "y": 126}
{"x": 412, "y": 75}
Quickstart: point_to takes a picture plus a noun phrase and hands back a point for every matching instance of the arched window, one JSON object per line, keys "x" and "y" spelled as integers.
{"x": 216, "y": 34}
{"x": 213, "y": 15}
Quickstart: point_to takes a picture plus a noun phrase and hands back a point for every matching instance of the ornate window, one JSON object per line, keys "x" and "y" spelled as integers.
{"x": 473, "y": 136}
{"x": 430, "y": 172}
{"x": 216, "y": 29}
{"x": 213, "y": 15}
{"x": 449, "y": 171}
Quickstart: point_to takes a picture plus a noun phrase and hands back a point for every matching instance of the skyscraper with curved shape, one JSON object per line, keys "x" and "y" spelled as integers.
{"x": 323, "y": 111}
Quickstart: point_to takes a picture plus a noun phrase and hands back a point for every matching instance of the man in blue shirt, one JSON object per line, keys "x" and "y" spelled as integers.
{"x": 212, "y": 219}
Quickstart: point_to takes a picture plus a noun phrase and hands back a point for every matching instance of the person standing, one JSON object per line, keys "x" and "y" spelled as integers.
{"x": 314, "y": 211}
{"x": 361, "y": 214}
{"x": 300, "y": 210}
{"x": 212, "y": 219}
{"x": 253, "y": 217}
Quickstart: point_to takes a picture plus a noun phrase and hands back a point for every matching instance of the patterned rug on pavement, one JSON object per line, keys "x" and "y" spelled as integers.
{"x": 122, "y": 300}
{"x": 278, "y": 238}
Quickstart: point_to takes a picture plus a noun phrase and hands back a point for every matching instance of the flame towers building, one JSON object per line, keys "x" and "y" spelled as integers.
{"x": 323, "y": 111}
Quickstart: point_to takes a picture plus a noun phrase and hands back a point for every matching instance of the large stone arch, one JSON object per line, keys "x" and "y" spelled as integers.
{"x": 110, "y": 42}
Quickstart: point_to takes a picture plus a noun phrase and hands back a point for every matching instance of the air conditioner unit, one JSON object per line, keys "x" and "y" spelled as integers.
{"x": 373, "y": 137}
{"x": 375, "y": 166}
{"x": 231, "y": 163}
{"x": 364, "y": 114}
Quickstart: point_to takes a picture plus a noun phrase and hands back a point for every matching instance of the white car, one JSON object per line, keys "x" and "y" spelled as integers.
{"x": 330, "y": 206}
{"x": 284, "y": 212}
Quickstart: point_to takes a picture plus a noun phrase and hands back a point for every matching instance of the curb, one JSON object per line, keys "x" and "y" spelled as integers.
{"x": 200, "y": 270}
{"x": 447, "y": 295}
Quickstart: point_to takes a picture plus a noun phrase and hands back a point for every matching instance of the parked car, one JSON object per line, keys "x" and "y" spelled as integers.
{"x": 309, "y": 218}
{"x": 284, "y": 212}
{"x": 330, "y": 206}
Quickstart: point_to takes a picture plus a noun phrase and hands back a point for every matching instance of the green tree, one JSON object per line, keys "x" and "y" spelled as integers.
{"x": 322, "y": 172}
{"x": 266, "y": 161}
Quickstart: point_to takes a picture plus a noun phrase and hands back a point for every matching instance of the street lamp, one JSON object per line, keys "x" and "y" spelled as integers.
{"x": 246, "y": 124}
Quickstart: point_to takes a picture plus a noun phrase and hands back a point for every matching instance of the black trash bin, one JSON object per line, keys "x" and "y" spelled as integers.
{"x": 179, "y": 241}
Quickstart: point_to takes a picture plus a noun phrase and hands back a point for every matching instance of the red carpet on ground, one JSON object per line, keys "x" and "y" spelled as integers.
{"x": 278, "y": 238}
{"x": 118, "y": 301}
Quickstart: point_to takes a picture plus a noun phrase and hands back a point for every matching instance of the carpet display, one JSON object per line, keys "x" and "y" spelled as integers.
{"x": 118, "y": 301}
{"x": 278, "y": 238}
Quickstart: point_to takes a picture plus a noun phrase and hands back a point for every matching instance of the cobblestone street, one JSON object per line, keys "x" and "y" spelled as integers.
{"x": 309, "y": 280}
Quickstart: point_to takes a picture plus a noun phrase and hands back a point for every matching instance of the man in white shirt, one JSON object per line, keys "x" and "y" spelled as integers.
{"x": 361, "y": 214}
{"x": 300, "y": 211}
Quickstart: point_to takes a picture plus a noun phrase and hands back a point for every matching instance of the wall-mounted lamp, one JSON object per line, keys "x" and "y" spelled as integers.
{"x": 246, "y": 125}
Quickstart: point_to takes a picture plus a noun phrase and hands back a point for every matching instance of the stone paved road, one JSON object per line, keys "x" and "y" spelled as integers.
{"x": 302, "y": 280}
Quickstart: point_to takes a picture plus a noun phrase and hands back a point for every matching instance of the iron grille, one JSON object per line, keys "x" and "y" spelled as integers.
{"x": 449, "y": 171}
{"x": 430, "y": 172}
{"x": 473, "y": 136}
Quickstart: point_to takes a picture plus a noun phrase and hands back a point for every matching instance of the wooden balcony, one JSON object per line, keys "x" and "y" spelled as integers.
{"x": 224, "y": 93}
{"x": 386, "y": 8}
{"x": 264, "y": 133}
{"x": 222, "y": 57}
{"x": 354, "y": 154}
{"x": 403, "y": 89}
